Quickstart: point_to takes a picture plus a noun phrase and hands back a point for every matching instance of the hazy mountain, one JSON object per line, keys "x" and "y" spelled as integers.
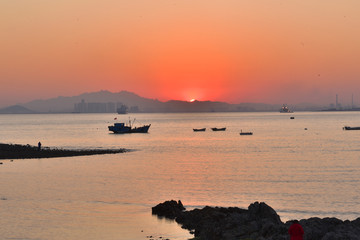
{"x": 15, "y": 109}
{"x": 257, "y": 107}
{"x": 308, "y": 107}
{"x": 66, "y": 104}
{"x": 197, "y": 106}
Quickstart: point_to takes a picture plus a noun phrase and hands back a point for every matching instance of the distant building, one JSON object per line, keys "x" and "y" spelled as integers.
{"x": 110, "y": 107}
{"x": 100, "y": 107}
{"x": 94, "y": 107}
{"x": 80, "y": 107}
{"x": 336, "y": 103}
{"x": 134, "y": 109}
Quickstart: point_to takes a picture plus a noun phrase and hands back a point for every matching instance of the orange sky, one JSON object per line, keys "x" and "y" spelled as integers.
{"x": 236, "y": 51}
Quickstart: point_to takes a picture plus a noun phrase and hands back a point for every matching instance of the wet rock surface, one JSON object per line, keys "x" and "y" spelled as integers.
{"x": 258, "y": 222}
{"x": 17, "y": 151}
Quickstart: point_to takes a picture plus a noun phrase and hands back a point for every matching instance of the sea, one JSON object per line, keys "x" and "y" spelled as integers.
{"x": 302, "y": 167}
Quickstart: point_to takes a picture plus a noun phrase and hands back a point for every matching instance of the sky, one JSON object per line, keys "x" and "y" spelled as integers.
{"x": 268, "y": 51}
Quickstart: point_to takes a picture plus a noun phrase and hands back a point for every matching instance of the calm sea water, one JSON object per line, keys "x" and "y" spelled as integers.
{"x": 300, "y": 173}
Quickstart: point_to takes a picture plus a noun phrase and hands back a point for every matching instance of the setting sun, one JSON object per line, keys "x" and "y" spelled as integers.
{"x": 192, "y": 100}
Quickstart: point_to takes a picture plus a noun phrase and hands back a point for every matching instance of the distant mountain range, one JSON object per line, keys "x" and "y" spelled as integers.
{"x": 15, "y": 109}
{"x": 136, "y": 103}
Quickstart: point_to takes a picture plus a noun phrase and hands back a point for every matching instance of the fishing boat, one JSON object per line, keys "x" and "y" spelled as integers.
{"x": 351, "y": 128}
{"x": 199, "y": 129}
{"x": 246, "y": 133}
{"x": 128, "y": 128}
{"x": 285, "y": 109}
{"x": 218, "y": 129}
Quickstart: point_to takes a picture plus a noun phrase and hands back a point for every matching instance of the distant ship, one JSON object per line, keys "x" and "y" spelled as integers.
{"x": 285, "y": 109}
{"x": 122, "y": 109}
{"x": 246, "y": 133}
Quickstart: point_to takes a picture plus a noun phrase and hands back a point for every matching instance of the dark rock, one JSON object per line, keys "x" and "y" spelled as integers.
{"x": 316, "y": 228}
{"x": 331, "y": 229}
{"x": 258, "y": 222}
{"x": 261, "y": 211}
{"x": 169, "y": 209}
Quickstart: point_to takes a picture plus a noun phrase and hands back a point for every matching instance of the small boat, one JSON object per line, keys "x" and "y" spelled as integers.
{"x": 292, "y": 117}
{"x": 218, "y": 129}
{"x": 199, "y": 129}
{"x": 351, "y": 128}
{"x": 246, "y": 133}
{"x": 128, "y": 128}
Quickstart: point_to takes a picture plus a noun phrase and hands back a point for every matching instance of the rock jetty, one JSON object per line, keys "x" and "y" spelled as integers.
{"x": 16, "y": 151}
{"x": 258, "y": 222}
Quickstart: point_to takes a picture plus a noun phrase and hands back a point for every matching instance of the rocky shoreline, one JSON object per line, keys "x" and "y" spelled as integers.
{"x": 17, "y": 151}
{"x": 258, "y": 222}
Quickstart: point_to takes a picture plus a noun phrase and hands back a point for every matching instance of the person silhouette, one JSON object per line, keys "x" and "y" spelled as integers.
{"x": 296, "y": 231}
{"x": 39, "y": 146}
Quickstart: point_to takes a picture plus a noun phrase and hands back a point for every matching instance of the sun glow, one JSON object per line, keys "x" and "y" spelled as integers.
{"x": 192, "y": 100}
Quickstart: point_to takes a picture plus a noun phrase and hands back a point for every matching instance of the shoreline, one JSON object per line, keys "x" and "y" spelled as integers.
{"x": 18, "y": 151}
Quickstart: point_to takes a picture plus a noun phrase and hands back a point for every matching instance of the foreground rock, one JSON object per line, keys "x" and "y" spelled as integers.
{"x": 16, "y": 151}
{"x": 258, "y": 222}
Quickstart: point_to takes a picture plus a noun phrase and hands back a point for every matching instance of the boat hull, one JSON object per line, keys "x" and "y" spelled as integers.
{"x": 218, "y": 129}
{"x": 127, "y": 129}
{"x": 351, "y": 128}
{"x": 246, "y": 133}
{"x": 199, "y": 129}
